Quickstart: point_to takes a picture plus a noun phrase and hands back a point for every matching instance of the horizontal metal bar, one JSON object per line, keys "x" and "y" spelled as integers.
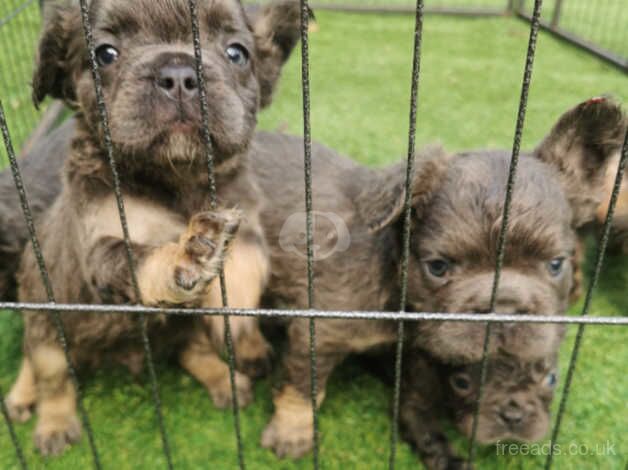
{"x": 328, "y": 314}
{"x": 614, "y": 59}
{"x": 410, "y": 10}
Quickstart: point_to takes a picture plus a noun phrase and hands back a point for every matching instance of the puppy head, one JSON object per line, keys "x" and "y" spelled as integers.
{"x": 516, "y": 399}
{"x": 146, "y": 57}
{"x": 457, "y": 215}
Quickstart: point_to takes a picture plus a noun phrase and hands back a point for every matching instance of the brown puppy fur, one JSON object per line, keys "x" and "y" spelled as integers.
{"x": 556, "y": 190}
{"x": 457, "y": 203}
{"x": 147, "y": 64}
{"x": 515, "y": 404}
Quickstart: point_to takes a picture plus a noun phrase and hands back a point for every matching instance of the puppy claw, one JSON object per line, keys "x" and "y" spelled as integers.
{"x": 222, "y": 396}
{"x": 52, "y": 437}
{"x": 293, "y": 441}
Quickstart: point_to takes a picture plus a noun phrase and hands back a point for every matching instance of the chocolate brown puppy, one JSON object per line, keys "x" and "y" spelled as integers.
{"x": 457, "y": 204}
{"x": 515, "y": 404}
{"x": 358, "y": 243}
{"x": 144, "y": 49}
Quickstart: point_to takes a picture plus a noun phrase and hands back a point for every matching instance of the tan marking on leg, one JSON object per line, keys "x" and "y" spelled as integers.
{"x": 21, "y": 399}
{"x": 203, "y": 363}
{"x": 58, "y": 425}
{"x": 246, "y": 274}
{"x": 290, "y": 431}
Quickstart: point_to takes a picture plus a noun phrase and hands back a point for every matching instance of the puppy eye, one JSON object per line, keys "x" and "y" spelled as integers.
{"x": 438, "y": 267}
{"x": 461, "y": 383}
{"x": 555, "y": 267}
{"x": 238, "y": 54}
{"x": 551, "y": 379}
{"x": 106, "y": 54}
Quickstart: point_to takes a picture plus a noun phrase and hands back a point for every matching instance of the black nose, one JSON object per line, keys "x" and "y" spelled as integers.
{"x": 178, "y": 82}
{"x": 512, "y": 414}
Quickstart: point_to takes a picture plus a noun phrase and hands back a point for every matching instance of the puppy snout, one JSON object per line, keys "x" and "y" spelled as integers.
{"x": 512, "y": 414}
{"x": 178, "y": 82}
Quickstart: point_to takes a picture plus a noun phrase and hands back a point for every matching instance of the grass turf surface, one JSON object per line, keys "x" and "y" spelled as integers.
{"x": 470, "y": 85}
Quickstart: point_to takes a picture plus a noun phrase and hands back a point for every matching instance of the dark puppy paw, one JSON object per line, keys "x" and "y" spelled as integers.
{"x": 254, "y": 355}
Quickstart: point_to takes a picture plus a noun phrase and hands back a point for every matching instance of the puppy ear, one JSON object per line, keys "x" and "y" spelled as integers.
{"x": 277, "y": 28}
{"x": 580, "y": 147}
{"x": 383, "y": 204}
{"x": 60, "y": 53}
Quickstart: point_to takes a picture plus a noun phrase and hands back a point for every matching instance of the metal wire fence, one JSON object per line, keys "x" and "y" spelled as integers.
{"x": 21, "y": 130}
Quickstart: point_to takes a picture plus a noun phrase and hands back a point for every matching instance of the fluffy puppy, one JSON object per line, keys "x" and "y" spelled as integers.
{"x": 515, "y": 404}
{"x": 457, "y": 204}
{"x": 146, "y": 57}
{"x": 41, "y": 172}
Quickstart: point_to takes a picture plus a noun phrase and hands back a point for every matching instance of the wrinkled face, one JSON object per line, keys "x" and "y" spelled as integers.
{"x": 146, "y": 58}
{"x": 145, "y": 52}
{"x": 454, "y": 253}
{"x": 516, "y": 400}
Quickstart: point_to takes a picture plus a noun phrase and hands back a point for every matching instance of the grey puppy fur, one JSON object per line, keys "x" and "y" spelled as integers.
{"x": 457, "y": 202}
{"x": 145, "y": 52}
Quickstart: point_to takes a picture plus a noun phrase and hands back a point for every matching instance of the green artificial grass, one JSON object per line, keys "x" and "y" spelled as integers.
{"x": 469, "y": 93}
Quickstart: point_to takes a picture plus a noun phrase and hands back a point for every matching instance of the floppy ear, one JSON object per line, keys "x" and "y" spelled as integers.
{"x": 60, "y": 54}
{"x": 383, "y": 204}
{"x": 580, "y": 147}
{"x": 277, "y": 28}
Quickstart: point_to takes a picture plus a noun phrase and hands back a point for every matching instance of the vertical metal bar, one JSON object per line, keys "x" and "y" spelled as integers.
{"x": 307, "y": 164}
{"x": 556, "y": 14}
{"x": 414, "y": 94}
{"x": 28, "y": 217}
{"x": 514, "y": 162}
{"x": 601, "y": 251}
{"x": 104, "y": 119}
{"x": 16, "y": 443}
{"x": 209, "y": 154}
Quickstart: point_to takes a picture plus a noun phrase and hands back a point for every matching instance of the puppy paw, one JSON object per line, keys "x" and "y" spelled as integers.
{"x": 288, "y": 438}
{"x": 254, "y": 355}
{"x": 446, "y": 462}
{"x": 20, "y": 411}
{"x": 54, "y": 435}
{"x": 202, "y": 248}
{"x": 221, "y": 391}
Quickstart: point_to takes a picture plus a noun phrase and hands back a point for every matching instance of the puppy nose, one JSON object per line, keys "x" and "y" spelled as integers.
{"x": 512, "y": 414}
{"x": 178, "y": 82}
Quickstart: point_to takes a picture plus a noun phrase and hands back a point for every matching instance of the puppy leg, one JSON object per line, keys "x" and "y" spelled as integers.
{"x": 171, "y": 274}
{"x": 58, "y": 425}
{"x": 201, "y": 360}
{"x": 290, "y": 431}
{"x": 422, "y": 403}
{"x": 246, "y": 272}
{"x": 21, "y": 399}
{"x": 423, "y": 431}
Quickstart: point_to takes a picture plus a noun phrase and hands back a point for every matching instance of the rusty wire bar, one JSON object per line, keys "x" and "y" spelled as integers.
{"x": 209, "y": 155}
{"x": 601, "y": 251}
{"x": 28, "y": 217}
{"x": 307, "y": 166}
{"x": 104, "y": 119}
{"x": 414, "y": 94}
{"x": 16, "y": 443}
{"x": 512, "y": 174}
